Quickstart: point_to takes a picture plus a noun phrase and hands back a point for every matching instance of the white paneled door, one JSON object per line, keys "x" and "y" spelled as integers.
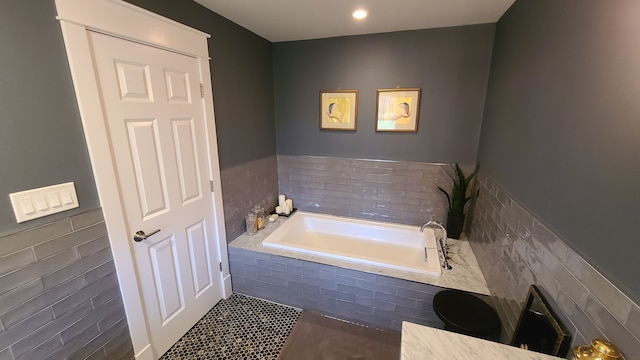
{"x": 155, "y": 123}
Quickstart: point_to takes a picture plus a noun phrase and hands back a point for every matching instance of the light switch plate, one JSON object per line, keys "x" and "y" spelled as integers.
{"x": 35, "y": 203}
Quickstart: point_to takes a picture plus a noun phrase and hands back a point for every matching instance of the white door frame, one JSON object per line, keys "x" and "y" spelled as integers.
{"x": 123, "y": 20}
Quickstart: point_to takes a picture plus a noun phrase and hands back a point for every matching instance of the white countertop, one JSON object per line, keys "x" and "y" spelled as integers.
{"x": 464, "y": 275}
{"x": 423, "y": 342}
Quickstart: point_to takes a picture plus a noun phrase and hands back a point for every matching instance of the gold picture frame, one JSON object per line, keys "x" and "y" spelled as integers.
{"x": 397, "y": 110}
{"x": 339, "y": 110}
{"x": 539, "y": 329}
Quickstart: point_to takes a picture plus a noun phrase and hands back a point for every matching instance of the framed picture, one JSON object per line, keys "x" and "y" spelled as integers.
{"x": 338, "y": 109}
{"x": 398, "y": 109}
{"x": 539, "y": 328}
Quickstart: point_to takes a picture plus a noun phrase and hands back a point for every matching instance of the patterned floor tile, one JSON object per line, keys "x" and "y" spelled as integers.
{"x": 240, "y": 327}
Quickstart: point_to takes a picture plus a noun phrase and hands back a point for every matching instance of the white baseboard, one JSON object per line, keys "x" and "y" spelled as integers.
{"x": 145, "y": 354}
{"x": 227, "y": 290}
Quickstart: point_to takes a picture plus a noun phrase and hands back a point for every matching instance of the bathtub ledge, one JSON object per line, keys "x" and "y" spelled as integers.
{"x": 464, "y": 275}
{"x": 423, "y": 342}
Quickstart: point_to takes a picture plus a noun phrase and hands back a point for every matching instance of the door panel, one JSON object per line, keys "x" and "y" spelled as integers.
{"x": 157, "y": 138}
{"x": 184, "y": 138}
{"x": 199, "y": 248}
{"x": 148, "y": 167}
{"x": 133, "y": 81}
{"x": 169, "y": 290}
{"x": 177, "y": 84}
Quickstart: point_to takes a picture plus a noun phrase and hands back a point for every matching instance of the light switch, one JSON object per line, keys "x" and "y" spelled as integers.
{"x": 35, "y": 203}
{"x": 54, "y": 199}
{"x": 66, "y": 197}
{"x": 41, "y": 203}
{"x": 27, "y": 206}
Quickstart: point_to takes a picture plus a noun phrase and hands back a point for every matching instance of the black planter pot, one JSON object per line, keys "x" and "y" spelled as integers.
{"x": 454, "y": 226}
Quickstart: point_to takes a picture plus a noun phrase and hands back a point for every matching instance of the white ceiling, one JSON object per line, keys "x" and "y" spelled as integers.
{"x": 285, "y": 20}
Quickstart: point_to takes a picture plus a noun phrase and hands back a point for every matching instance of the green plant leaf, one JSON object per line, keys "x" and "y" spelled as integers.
{"x": 450, "y": 176}
{"x": 458, "y": 198}
{"x": 471, "y": 176}
{"x": 445, "y": 194}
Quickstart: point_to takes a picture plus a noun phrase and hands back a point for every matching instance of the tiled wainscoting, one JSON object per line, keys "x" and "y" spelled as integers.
{"x": 244, "y": 186}
{"x": 515, "y": 250}
{"x": 395, "y": 191}
{"x": 59, "y": 295}
{"x": 364, "y": 298}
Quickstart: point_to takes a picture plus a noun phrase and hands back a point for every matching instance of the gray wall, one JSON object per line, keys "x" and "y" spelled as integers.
{"x": 244, "y": 186}
{"x": 241, "y": 71}
{"x": 560, "y": 131}
{"x": 41, "y": 138}
{"x": 59, "y": 295}
{"x": 515, "y": 250}
{"x": 450, "y": 65}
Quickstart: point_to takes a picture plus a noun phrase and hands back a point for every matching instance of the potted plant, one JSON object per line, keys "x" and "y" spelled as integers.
{"x": 457, "y": 200}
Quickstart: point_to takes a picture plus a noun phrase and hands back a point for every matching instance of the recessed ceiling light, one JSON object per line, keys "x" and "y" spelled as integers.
{"x": 359, "y": 14}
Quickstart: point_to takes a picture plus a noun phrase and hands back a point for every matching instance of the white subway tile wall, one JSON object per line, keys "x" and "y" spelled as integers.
{"x": 59, "y": 295}
{"x": 514, "y": 250}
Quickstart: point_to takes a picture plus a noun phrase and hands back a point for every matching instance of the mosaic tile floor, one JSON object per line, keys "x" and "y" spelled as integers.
{"x": 240, "y": 327}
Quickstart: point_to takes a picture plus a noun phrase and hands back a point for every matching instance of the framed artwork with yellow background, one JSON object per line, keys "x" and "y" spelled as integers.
{"x": 398, "y": 109}
{"x": 338, "y": 110}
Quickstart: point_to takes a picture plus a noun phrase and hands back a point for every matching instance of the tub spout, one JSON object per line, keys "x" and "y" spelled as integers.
{"x": 436, "y": 224}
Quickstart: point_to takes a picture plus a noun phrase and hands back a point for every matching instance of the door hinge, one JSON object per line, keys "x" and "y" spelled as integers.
{"x": 201, "y": 90}
{"x": 220, "y": 266}
{"x": 211, "y": 185}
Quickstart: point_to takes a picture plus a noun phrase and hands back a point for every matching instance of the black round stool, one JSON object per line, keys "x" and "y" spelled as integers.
{"x": 466, "y": 314}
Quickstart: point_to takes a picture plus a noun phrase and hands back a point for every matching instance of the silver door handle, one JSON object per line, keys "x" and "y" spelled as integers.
{"x": 140, "y": 235}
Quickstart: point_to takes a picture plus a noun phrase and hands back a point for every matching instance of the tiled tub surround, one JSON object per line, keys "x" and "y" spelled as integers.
{"x": 514, "y": 249}
{"x": 361, "y": 293}
{"x": 395, "y": 191}
{"x": 59, "y": 296}
{"x": 364, "y": 298}
{"x": 244, "y": 186}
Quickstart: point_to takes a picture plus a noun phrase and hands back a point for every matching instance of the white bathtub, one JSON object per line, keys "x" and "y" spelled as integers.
{"x": 394, "y": 246}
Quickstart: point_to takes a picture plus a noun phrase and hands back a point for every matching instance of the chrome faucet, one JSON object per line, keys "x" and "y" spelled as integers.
{"x": 434, "y": 223}
{"x": 443, "y": 242}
